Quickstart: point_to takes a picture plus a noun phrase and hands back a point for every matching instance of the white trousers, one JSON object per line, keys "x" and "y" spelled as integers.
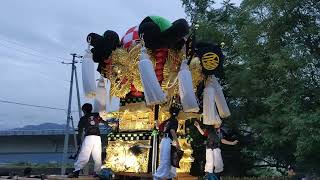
{"x": 165, "y": 170}
{"x": 214, "y": 162}
{"x": 91, "y": 145}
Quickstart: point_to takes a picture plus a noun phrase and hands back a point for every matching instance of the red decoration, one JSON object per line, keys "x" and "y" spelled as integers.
{"x": 130, "y": 37}
{"x": 161, "y": 57}
{"x": 134, "y": 92}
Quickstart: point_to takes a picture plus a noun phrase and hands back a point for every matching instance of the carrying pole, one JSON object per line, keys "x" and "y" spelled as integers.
{"x": 155, "y": 142}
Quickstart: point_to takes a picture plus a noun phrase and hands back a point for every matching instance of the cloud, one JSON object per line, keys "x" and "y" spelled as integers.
{"x": 36, "y": 35}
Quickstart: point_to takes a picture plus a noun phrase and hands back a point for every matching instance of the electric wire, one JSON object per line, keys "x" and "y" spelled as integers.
{"x": 28, "y": 48}
{"x": 29, "y": 53}
{"x": 33, "y": 105}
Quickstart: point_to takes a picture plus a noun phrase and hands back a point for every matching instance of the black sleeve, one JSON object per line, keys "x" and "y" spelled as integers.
{"x": 173, "y": 125}
{"x": 97, "y": 115}
{"x": 103, "y": 122}
{"x": 80, "y": 130}
{"x": 221, "y": 134}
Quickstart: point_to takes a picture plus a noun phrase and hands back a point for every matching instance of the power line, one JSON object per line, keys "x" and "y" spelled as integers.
{"x": 29, "y": 53}
{"x": 32, "y": 105}
{"x": 23, "y": 46}
{"x": 51, "y": 77}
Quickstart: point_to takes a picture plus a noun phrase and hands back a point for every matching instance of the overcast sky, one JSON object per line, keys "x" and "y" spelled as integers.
{"x": 36, "y": 35}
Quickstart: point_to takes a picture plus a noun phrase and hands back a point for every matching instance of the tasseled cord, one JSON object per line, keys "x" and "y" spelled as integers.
{"x": 101, "y": 98}
{"x": 187, "y": 95}
{"x": 88, "y": 76}
{"x": 152, "y": 89}
{"x": 213, "y": 98}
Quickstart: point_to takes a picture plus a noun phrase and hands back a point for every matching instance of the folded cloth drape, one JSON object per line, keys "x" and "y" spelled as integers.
{"x": 152, "y": 89}
{"x": 101, "y": 96}
{"x": 187, "y": 95}
{"x": 88, "y": 76}
{"x": 213, "y": 98}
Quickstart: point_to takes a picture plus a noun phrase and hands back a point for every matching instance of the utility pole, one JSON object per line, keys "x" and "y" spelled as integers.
{"x": 69, "y": 115}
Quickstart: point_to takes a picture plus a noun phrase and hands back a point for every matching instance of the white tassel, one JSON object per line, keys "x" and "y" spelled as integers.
{"x": 187, "y": 95}
{"x": 108, "y": 97}
{"x": 220, "y": 100}
{"x": 210, "y": 114}
{"x": 100, "y": 99}
{"x": 88, "y": 76}
{"x": 152, "y": 89}
{"x": 112, "y": 103}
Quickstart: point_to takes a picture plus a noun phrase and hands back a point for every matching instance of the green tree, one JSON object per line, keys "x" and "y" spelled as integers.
{"x": 272, "y": 75}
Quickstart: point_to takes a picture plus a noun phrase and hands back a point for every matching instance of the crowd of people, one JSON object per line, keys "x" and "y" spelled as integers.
{"x": 91, "y": 145}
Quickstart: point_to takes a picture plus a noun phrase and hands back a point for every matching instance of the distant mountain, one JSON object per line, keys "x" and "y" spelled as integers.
{"x": 42, "y": 126}
{"x": 46, "y": 126}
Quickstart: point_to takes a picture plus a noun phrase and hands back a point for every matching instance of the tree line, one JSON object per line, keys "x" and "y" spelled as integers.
{"x": 271, "y": 78}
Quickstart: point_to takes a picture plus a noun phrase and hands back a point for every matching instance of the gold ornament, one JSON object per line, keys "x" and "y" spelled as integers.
{"x": 210, "y": 61}
{"x": 124, "y": 70}
{"x": 120, "y": 56}
{"x": 195, "y": 68}
{"x": 120, "y": 159}
{"x": 134, "y": 56}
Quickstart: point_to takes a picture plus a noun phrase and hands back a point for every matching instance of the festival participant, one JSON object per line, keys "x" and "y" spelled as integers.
{"x": 169, "y": 129}
{"x": 89, "y": 123}
{"x": 214, "y": 162}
